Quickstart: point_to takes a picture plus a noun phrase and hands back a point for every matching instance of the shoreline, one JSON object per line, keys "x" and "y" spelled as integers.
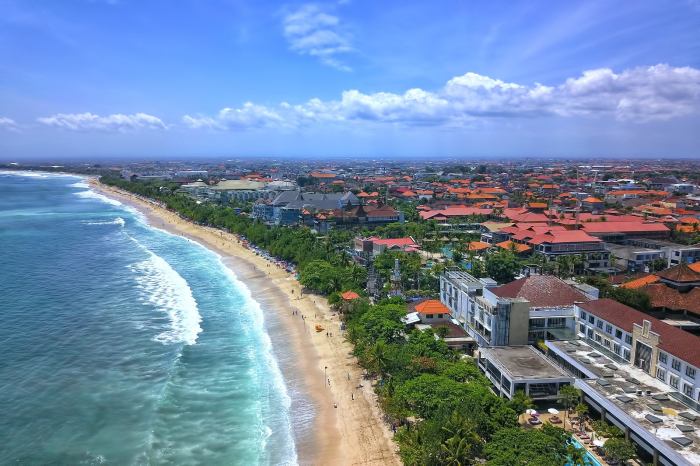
{"x": 347, "y": 427}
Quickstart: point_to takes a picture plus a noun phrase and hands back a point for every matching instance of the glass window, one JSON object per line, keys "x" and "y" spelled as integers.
{"x": 591, "y": 319}
{"x": 599, "y": 324}
{"x": 673, "y": 381}
{"x": 590, "y": 333}
{"x": 626, "y": 354}
{"x": 616, "y": 348}
{"x": 608, "y": 329}
{"x": 690, "y": 372}
{"x": 676, "y": 364}
{"x": 628, "y": 339}
{"x": 618, "y": 333}
{"x": 688, "y": 389}
{"x": 606, "y": 343}
{"x": 583, "y": 315}
{"x": 581, "y": 328}
{"x": 598, "y": 338}
{"x": 661, "y": 374}
{"x": 663, "y": 357}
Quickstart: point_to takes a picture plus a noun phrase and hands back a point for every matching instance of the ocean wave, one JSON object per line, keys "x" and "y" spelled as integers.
{"x": 79, "y": 184}
{"x": 30, "y": 174}
{"x": 117, "y": 221}
{"x": 278, "y": 385}
{"x": 164, "y": 288}
{"x": 100, "y": 197}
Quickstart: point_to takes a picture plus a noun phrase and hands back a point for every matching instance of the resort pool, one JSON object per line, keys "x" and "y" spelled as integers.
{"x": 589, "y": 458}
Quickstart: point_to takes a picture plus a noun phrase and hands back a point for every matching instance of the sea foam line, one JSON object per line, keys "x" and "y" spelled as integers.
{"x": 164, "y": 288}
{"x": 258, "y": 319}
{"x": 117, "y": 221}
{"x": 90, "y": 194}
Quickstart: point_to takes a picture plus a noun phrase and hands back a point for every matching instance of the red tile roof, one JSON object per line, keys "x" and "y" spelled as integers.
{"x": 432, "y": 306}
{"x": 623, "y": 227}
{"x": 640, "y": 282}
{"x": 541, "y": 291}
{"x": 672, "y": 340}
{"x": 349, "y": 295}
{"x": 566, "y": 236}
{"x": 681, "y": 273}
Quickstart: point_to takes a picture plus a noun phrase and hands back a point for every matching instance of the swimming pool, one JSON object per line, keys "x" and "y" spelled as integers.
{"x": 589, "y": 458}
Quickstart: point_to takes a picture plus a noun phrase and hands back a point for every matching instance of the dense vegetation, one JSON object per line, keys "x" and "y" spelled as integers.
{"x": 442, "y": 406}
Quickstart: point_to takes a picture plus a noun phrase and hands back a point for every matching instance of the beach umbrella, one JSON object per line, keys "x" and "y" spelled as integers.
{"x": 553, "y": 411}
{"x": 598, "y": 442}
{"x": 529, "y": 411}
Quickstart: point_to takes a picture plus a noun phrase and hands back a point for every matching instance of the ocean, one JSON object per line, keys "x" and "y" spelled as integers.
{"x": 125, "y": 345}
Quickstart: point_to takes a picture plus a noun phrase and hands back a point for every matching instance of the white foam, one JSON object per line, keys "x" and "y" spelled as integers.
{"x": 79, "y": 184}
{"x": 100, "y": 197}
{"x": 258, "y": 319}
{"x": 117, "y": 221}
{"x": 163, "y": 287}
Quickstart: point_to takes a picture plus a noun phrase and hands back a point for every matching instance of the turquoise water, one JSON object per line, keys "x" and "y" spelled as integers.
{"x": 591, "y": 461}
{"x": 125, "y": 345}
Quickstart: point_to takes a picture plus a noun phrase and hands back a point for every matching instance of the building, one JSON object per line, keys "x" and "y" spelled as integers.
{"x": 557, "y": 243}
{"x": 674, "y": 253}
{"x": 523, "y": 311}
{"x": 288, "y": 206}
{"x": 619, "y": 232}
{"x": 663, "y": 351}
{"x": 522, "y": 368}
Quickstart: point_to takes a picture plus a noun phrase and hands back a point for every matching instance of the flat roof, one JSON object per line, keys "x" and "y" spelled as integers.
{"x": 639, "y": 396}
{"x": 523, "y": 362}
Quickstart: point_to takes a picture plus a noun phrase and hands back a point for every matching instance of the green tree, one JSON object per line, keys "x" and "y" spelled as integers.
{"x": 521, "y": 402}
{"x": 619, "y": 450}
{"x": 569, "y": 396}
{"x": 532, "y": 447}
{"x": 502, "y": 266}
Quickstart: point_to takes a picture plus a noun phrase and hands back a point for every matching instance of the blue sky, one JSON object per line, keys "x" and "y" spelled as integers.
{"x": 222, "y": 78}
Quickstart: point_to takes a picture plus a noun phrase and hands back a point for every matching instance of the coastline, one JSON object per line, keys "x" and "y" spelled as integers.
{"x": 347, "y": 428}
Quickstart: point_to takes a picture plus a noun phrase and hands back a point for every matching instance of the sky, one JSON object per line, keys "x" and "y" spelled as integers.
{"x": 349, "y": 78}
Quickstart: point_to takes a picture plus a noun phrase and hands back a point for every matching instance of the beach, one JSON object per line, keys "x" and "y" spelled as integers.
{"x": 348, "y": 427}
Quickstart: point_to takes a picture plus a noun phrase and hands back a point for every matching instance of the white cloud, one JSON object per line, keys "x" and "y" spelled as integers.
{"x": 312, "y": 31}
{"x": 248, "y": 116}
{"x": 639, "y": 95}
{"x": 8, "y": 124}
{"x": 114, "y": 122}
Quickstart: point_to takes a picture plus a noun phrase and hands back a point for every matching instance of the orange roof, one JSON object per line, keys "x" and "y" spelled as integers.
{"x": 321, "y": 175}
{"x": 537, "y": 205}
{"x": 695, "y": 266}
{"x": 509, "y": 246}
{"x": 478, "y": 246}
{"x": 349, "y": 295}
{"x": 592, "y": 199}
{"x": 640, "y": 282}
{"x": 432, "y": 306}
{"x": 690, "y": 220}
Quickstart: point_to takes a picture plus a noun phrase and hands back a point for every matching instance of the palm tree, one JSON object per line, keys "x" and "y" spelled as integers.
{"x": 576, "y": 456}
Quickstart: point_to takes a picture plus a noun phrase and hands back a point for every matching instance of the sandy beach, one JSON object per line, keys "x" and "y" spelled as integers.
{"x": 347, "y": 428}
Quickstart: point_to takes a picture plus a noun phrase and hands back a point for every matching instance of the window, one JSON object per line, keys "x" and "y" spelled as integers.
{"x": 581, "y": 328}
{"x": 616, "y": 348}
{"x": 590, "y": 333}
{"x": 661, "y": 374}
{"x": 606, "y": 343}
{"x": 673, "y": 381}
{"x": 598, "y": 338}
{"x": 599, "y": 324}
{"x": 688, "y": 390}
{"x": 556, "y": 322}
{"x": 618, "y": 333}
{"x": 676, "y": 364}
{"x": 626, "y": 354}
{"x": 690, "y": 372}
{"x": 582, "y": 315}
{"x": 591, "y": 319}
{"x": 608, "y": 329}
{"x": 628, "y": 339}
{"x": 663, "y": 357}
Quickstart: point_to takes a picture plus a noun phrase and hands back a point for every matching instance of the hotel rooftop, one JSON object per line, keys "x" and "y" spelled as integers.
{"x": 649, "y": 411}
